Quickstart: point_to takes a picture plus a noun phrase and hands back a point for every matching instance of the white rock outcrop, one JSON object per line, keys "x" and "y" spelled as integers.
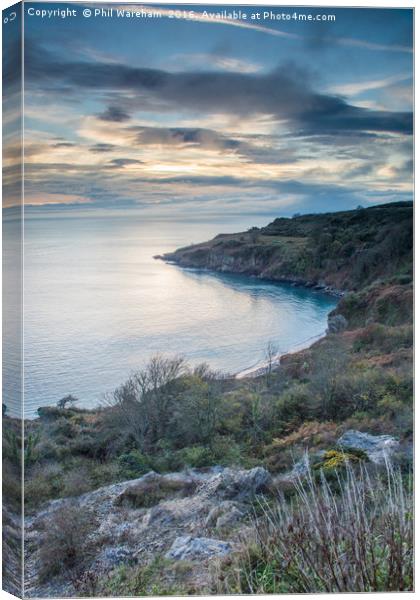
{"x": 190, "y": 548}
{"x": 379, "y": 448}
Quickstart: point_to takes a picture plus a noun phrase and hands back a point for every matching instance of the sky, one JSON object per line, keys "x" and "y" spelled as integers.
{"x": 212, "y": 116}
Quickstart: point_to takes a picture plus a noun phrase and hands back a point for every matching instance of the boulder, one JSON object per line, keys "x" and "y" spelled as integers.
{"x": 378, "y": 447}
{"x": 336, "y": 323}
{"x": 236, "y": 485}
{"x": 190, "y": 548}
{"x": 224, "y": 514}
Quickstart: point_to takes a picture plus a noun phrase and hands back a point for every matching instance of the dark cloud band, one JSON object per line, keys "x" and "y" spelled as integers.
{"x": 284, "y": 94}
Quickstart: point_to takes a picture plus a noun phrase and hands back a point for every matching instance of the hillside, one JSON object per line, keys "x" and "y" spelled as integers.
{"x": 343, "y": 250}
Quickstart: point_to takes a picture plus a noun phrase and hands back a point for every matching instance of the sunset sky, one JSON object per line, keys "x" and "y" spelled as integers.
{"x": 174, "y": 116}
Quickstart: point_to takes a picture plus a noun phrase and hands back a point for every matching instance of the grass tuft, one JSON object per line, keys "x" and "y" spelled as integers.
{"x": 355, "y": 537}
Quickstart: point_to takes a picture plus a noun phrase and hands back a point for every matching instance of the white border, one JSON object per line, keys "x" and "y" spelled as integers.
{"x": 308, "y": 3}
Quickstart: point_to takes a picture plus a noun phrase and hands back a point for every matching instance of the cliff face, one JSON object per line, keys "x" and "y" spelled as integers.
{"x": 344, "y": 250}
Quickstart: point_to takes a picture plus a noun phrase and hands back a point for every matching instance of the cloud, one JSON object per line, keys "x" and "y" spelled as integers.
{"x": 199, "y": 16}
{"x": 358, "y": 87}
{"x": 216, "y": 60}
{"x": 64, "y": 145}
{"x": 285, "y": 93}
{"x": 115, "y": 114}
{"x": 184, "y": 136}
{"x": 124, "y": 162}
{"x": 102, "y": 148}
{"x": 59, "y": 199}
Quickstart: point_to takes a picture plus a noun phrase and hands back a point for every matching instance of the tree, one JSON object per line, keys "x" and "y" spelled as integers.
{"x": 145, "y": 403}
{"x": 271, "y": 353}
{"x": 64, "y": 402}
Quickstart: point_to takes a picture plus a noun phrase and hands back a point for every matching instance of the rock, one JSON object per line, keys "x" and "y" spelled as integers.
{"x": 224, "y": 515}
{"x": 189, "y": 548}
{"x": 300, "y": 469}
{"x": 113, "y": 556}
{"x": 158, "y": 515}
{"x": 236, "y": 485}
{"x": 378, "y": 447}
{"x": 336, "y": 323}
{"x": 130, "y": 532}
{"x": 229, "y": 518}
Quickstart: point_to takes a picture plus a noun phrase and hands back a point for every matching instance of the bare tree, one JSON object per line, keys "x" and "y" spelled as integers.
{"x": 144, "y": 403}
{"x": 271, "y": 353}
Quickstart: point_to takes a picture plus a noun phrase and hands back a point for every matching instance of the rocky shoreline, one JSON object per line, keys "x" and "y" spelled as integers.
{"x": 317, "y": 286}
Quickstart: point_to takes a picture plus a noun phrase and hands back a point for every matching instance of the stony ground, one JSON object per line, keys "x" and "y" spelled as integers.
{"x": 194, "y": 516}
{"x": 192, "y": 524}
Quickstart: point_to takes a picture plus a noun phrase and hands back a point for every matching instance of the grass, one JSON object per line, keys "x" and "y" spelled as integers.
{"x": 355, "y": 536}
{"x": 159, "y": 577}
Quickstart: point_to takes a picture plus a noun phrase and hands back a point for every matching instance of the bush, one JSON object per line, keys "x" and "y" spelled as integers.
{"x": 42, "y": 484}
{"x": 359, "y": 539}
{"x": 196, "y": 456}
{"x": 338, "y": 458}
{"x": 133, "y": 464}
{"x": 384, "y": 339}
{"x": 151, "y": 491}
{"x": 65, "y": 547}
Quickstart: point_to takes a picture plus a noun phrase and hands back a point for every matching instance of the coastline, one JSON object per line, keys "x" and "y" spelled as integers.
{"x": 260, "y": 368}
{"x": 316, "y": 286}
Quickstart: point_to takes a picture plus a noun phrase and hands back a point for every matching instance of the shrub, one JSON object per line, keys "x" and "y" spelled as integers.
{"x": 382, "y": 338}
{"x": 42, "y": 484}
{"x": 359, "y": 539}
{"x": 133, "y": 464}
{"x": 65, "y": 546}
{"x": 339, "y": 458}
{"x": 196, "y": 456}
{"x": 151, "y": 491}
{"x": 76, "y": 482}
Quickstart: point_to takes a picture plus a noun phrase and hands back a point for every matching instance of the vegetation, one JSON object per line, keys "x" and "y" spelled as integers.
{"x": 160, "y": 577}
{"x": 65, "y": 544}
{"x": 346, "y": 250}
{"x": 149, "y": 493}
{"x": 359, "y": 539}
{"x": 168, "y": 416}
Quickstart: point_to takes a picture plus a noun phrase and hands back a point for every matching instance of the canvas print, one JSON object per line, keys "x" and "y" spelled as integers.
{"x": 207, "y": 299}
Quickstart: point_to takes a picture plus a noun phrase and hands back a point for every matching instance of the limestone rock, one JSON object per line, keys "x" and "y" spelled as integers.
{"x": 224, "y": 515}
{"x": 236, "y": 485}
{"x": 190, "y": 548}
{"x": 377, "y": 447}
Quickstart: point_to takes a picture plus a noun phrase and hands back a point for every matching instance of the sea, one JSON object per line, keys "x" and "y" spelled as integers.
{"x": 98, "y": 306}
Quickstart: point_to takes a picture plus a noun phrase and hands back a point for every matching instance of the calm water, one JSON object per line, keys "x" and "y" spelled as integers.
{"x": 98, "y": 306}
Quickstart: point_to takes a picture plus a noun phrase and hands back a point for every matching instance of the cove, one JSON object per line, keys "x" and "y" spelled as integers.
{"x": 98, "y": 307}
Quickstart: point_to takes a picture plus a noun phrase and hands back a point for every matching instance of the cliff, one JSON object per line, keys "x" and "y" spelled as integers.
{"x": 342, "y": 251}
